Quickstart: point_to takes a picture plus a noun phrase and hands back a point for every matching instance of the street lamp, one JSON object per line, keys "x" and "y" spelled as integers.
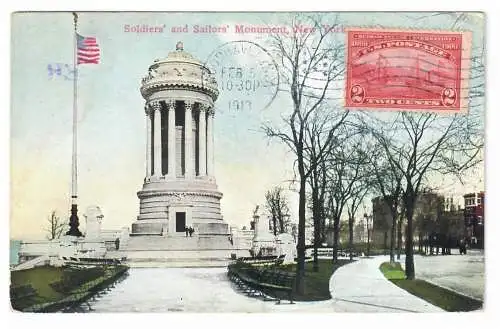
{"x": 369, "y": 224}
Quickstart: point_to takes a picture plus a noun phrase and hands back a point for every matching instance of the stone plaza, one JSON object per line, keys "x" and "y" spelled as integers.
{"x": 209, "y": 290}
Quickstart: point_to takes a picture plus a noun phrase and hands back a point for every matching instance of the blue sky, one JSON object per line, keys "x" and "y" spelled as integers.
{"x": 112, "y": 120}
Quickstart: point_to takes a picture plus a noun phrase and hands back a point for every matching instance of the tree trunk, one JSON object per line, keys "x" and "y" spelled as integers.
{"x": 301, "y": 239}
{"x": 279, "y": 216}
{"x": 393, "y": 236}
{"x": 281, "y": 221}
{"x": 317, "y": 227}
{"x": 322, "y": 221}
{"x": 351, "y": 235}
{"x": 385, "y": 243}
{"x": 336, "y": 226}
{"x": 274, "y": 224}
{"x": 400, "y": 234}
{"x": 368, "y": 239}
{"x": 409, "y": 264}
{"x": 323, "y": 231}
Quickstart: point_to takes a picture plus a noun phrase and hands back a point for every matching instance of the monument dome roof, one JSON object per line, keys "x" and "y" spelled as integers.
{"x": 179, "y": 55}
{"x": 179, "y": 70}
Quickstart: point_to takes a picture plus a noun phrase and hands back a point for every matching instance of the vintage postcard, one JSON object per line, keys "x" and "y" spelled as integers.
{"x": 247, "y": 162}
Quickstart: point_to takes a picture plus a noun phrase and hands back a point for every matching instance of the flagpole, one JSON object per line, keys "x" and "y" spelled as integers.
{"x": 73, "y": 220}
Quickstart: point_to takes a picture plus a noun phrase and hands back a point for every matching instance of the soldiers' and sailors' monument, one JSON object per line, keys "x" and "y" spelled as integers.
{"x": 179, "y": 187}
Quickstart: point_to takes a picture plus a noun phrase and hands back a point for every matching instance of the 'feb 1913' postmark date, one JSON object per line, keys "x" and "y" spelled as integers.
{"x": 407, "y": 70}
{"x": 247, "y": 76}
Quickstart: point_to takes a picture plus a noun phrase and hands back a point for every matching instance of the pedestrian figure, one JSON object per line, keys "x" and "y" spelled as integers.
{"x": 187, "y": 231}
{"x": 462, "y": 247}
{"x": 191, "y": 231}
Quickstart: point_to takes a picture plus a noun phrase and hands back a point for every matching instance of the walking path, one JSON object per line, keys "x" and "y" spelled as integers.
{"x": 356, "y": 287}
{"x": 361, "y": 287}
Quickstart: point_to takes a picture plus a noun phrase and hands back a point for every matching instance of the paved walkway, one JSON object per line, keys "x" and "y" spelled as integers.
{"x": 357, "y": 287}
{"x": 361, "y": 287}
{"x": 461, "y": 273}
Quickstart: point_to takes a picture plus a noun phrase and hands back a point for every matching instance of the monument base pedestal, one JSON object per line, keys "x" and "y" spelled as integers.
{"x": 178, "y": 251}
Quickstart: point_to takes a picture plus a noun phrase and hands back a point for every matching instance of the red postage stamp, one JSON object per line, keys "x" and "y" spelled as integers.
{"x": 407, "y": 70}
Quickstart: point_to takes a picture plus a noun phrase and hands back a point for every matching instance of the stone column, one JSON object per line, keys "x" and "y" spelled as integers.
{"x": 156, "y": 106}
{"x": 171, "y": 139}
{"x": 202, "y": 141}
{"x": 210, "y": 143}
{"x": 188, "y": 141}
{"x": 148, "y": 142}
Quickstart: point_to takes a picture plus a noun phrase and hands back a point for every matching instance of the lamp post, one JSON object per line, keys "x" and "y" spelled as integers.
{"x": 369, "y": 224}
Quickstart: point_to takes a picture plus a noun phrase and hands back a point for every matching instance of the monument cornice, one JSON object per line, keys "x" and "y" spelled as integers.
{"x": 158, "y": 192}
{"x": 149, "y": 88}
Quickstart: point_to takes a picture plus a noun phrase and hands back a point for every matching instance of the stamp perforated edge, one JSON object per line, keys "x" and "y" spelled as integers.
{"x": 464, "y": 69}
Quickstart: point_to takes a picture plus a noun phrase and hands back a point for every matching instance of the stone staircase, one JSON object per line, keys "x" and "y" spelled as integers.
{"x": 177, "y": 250}
{"x": 162, "y": 243}
{"x": 38, "y": 261}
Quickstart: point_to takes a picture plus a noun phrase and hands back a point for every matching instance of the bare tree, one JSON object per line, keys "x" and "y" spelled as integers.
{"x": 345, "y": 170}
{"x": 310, "y": 62}
{"x": 277, "y": 206}
{"x": 55, "y": 226}
{"x": 418, "y": 145}
{"x": 322, "y": 134}
{"x": 387, "y": 182}
{"x": 359, "y": 191}
{"x": 361, "y": 180}
{"x": 429, "y": 138}
{"x": 400, "y": 231}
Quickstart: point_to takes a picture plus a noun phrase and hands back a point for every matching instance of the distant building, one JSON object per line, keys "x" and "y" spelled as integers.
{"x": 451, "y": 223}
{"x": 474, "y": 218}
{"x": 427, "y": 215}
{"x": 434, "y": 213}
{"x": 382, "y": 223}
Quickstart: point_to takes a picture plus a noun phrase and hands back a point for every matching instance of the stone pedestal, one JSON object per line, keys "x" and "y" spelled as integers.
{"x": 93, "y": 216}
{"x": 263, "y": 243}
{"x": 165, "y": 205}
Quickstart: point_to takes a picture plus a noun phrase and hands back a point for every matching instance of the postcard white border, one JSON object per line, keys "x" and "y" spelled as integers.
{"x": 455, "y": 320}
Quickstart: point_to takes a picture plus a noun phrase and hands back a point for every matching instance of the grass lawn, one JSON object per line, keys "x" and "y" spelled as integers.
{"x": 316, "y": 284}
{"x": 446, "y": 299}
{"x": 393, "y": 271}
{"x": 39, "y": 278}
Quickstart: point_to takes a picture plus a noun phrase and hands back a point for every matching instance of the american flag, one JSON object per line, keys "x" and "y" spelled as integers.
{"x": 88, "y": 50}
